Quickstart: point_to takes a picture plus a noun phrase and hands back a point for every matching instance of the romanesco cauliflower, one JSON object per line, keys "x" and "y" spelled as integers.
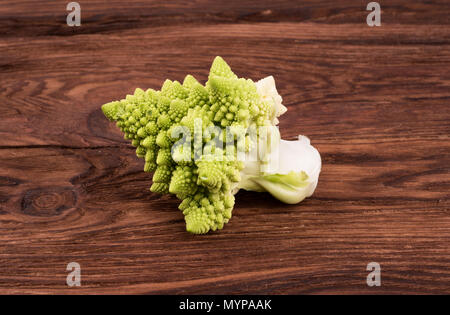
{"x": 197, "y": 168}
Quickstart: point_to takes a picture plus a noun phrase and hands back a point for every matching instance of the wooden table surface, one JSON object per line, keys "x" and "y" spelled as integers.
{"x": 375, "y": 101}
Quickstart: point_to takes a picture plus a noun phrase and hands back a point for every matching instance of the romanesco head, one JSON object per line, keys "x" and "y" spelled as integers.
{"x": 204, "y": 182}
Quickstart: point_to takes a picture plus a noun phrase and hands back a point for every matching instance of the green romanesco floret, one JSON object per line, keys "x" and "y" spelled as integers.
{"x": 194, "y": 165}
{"x": 204, "y": 184}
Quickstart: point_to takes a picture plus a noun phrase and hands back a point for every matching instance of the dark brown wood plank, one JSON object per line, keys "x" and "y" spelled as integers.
{"x": 26, "y": 18}
{"x": 129, "y": 240}
{"x": 375, "y": 102}
{"x": 313, "y": 65}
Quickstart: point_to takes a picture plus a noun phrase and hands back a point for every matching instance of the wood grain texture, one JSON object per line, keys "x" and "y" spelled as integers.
{"x": 374, "y": 101}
